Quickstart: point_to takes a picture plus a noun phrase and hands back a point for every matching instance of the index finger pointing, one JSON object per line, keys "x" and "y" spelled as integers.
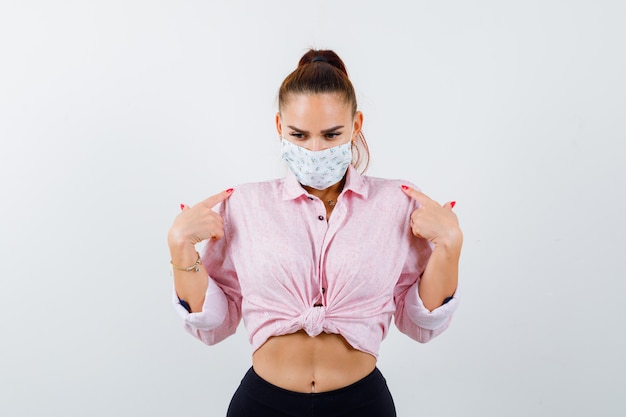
{"x": 415, "y": 195}
{"x": 214, "y": 200}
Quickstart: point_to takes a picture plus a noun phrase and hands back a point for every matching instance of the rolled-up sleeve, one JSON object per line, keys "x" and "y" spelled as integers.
{"x": 431, "y": 323}
{"x": 214, "y": 309}
{"x": 412, "y": 317}
{"x": 416, "y": 321}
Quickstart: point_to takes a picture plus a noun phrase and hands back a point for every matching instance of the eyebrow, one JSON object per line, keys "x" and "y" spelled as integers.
{"x": 332, "y": 129}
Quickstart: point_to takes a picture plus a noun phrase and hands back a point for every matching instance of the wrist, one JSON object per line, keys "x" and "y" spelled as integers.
{"x": 195, "y": 267}
{"x": 450, "y": 242}
{"x": 182, "y": 253}
{"x": 177, "y": 240}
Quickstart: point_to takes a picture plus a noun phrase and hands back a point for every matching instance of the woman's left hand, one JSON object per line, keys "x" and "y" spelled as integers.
{"x": 434, "y": 222}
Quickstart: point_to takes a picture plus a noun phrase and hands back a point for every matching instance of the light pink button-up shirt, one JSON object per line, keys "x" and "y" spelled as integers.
{"x": 283, "y": 267}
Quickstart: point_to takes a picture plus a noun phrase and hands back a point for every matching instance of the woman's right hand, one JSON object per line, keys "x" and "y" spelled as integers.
{"x": 191, "y": 226}
{"x": 197, "y": 223}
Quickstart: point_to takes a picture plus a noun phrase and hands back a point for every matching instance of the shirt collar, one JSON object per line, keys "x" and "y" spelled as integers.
{"x": 354, "y": 182}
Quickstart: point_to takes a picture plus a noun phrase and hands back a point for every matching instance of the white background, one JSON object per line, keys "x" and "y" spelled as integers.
{"x": 112, "y": 113}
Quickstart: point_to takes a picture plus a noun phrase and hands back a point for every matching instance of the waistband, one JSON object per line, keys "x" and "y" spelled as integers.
{"x": 368, "y": 397}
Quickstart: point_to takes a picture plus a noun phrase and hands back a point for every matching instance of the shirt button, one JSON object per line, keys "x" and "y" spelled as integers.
{"x": 321, "y": 217}
{"x": 311, "y": 198}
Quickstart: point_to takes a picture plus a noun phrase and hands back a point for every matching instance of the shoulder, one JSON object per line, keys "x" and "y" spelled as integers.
{"x": 388, "y": 188}
{"x": 383, "y": 198}
{"x": 251, "y": 188}
{"x": 255, "y": 193}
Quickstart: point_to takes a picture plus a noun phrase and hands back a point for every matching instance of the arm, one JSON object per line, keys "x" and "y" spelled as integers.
{"x": 424, "y": 308}
{"x": 191, "y": 285}
{"x": 412, "y": 317}
{"x": 440, "y": 279}
{"x": 440, "y": 226}
{"x": 211, "y": 310}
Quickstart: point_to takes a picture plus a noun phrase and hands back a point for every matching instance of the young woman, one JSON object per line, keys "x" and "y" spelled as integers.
{"x": 318, "y": 262}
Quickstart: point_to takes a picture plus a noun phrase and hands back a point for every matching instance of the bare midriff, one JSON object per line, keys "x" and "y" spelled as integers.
{"x": 301, "y": 363}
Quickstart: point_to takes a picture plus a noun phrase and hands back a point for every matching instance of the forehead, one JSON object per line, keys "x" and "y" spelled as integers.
{"x": 315, "y": 109}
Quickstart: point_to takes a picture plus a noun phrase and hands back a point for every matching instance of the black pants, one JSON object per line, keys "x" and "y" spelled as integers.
{"x": 368, "y": 397}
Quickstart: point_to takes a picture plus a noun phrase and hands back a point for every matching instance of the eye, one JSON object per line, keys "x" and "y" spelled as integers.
{"x": 332, "y": 135}
{"x": 297, "y": 135}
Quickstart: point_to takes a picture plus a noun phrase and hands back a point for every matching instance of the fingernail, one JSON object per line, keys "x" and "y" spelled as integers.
{"x": 182, "y": 207}
{"x": 230, "y": 190}
{"x": 404, "y": 187}
{"x": 452, "y": 204}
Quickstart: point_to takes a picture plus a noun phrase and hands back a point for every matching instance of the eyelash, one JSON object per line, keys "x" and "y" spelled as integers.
{"x": 329, "y": 136}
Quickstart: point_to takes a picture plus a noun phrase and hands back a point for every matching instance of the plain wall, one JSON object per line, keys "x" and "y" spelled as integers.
{"x": 113, "y": 113}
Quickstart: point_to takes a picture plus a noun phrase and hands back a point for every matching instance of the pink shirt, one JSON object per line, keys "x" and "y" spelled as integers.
{"x": 283, "y": 267}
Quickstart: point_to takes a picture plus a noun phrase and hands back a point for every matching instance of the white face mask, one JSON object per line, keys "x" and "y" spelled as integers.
{"x": 317, "y": 169}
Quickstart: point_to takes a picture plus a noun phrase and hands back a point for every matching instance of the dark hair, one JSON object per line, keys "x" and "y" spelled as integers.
{"x": 322, "y": 71}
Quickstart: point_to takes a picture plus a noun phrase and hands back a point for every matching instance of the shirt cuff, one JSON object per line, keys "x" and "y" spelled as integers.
{"x": 214, "y": 308}
{"x": 422, "y": 317}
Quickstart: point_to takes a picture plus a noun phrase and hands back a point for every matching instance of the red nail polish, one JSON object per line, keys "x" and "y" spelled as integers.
{"x": 404, "y": 187}
{"x": 182, "y": 207}
{"x": 452, "y": 204}
{"x": 230, "y": 190}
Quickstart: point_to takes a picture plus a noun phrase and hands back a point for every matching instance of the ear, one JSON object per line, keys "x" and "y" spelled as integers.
{"x": 279, "y": 125}
{"x": 358, "y": 124}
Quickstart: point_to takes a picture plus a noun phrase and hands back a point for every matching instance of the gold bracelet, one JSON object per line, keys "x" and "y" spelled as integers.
{"x": 195, "y": 267}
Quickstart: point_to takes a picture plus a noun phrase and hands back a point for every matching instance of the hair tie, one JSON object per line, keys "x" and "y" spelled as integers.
{"x": 319, "y": 58}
